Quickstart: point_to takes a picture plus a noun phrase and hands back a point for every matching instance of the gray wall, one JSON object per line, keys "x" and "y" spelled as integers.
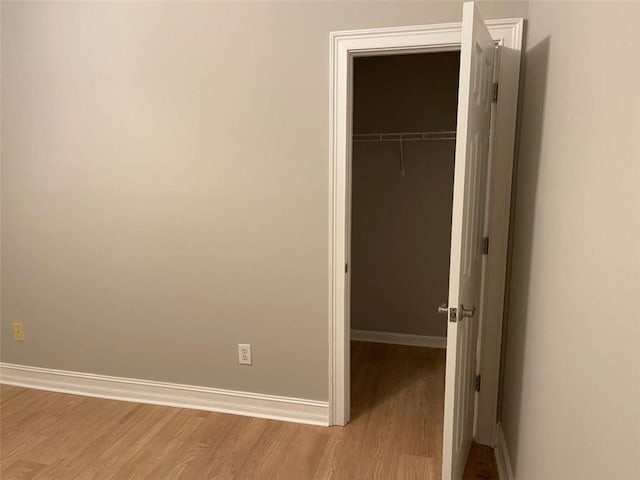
{"x": 165, "y": 185}
{"x": 571, "y": 405}
{"x": 401, "y": 225}
{"x": 406, "y": 93}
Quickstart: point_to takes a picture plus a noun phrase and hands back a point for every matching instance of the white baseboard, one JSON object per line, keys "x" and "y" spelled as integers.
{"x": 502, "y": 456}
{"x": 170, "y": 394}
{"x": 399, "y": 338}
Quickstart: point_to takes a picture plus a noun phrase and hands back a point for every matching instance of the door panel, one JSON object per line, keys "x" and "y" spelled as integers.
{"x": 469, "y": 200}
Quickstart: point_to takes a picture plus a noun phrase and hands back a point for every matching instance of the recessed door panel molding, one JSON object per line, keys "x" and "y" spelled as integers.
{"x": 465, "y": 272}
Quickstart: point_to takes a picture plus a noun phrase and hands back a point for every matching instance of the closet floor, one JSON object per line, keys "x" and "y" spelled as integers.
{"x": 395, "y": 433}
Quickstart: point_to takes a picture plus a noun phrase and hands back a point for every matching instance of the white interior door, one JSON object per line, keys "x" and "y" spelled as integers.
{"x": 465, "y": 270}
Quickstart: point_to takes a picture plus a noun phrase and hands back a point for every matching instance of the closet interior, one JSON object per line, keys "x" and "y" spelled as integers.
{"x": 404, "y": 123}
{"x": 403, "y": 149}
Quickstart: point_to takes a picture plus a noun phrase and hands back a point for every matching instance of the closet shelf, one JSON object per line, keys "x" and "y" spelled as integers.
{"x": 403, "y": 136}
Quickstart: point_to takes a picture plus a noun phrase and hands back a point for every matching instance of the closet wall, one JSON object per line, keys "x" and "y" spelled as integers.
{"x": 401, "y": 225}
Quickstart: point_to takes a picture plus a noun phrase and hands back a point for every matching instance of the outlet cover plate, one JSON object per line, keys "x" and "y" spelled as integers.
{"x": 244, "y": 353}
{"x": 18, "y": 331}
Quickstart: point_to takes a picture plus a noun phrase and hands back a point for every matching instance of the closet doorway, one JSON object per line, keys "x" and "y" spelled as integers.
{"x": 403, "y": 158}
{"x": 489, "y": 56}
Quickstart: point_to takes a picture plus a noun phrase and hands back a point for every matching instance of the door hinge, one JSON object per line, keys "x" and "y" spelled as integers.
{"x": 453, "y": 315}
{"x": 485, "y": 245}
{"x": 495, "y": 93}
{"x": 477, "y": 382}
{"x": 346, "y": 268}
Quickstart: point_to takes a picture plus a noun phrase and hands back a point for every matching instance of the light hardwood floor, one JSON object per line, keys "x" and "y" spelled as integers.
{"x": 395, "y": 433}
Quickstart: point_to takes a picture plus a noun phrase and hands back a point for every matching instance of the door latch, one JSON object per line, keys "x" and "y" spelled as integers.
{"x": 443, "y": 309}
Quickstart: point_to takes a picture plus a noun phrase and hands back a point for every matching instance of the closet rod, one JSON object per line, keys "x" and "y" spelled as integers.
{"x": 403, "y": 136}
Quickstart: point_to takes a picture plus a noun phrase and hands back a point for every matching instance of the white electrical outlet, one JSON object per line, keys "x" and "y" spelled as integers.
{"x": 244, "y": 353}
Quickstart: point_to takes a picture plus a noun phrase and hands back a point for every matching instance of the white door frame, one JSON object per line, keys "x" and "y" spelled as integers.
{"x": 424, "y": 38}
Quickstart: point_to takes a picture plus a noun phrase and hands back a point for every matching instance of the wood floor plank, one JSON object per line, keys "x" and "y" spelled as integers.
{"x": 481, "y": 464}
{"x": 173, "y": 434}
{"x": 415, "y": 467}
{"x": 302, "y": 458}
{"x": 7, "y": 392}
{"x": 131, "y": 441}
{"x": 197, "y": 452}
{"x": 328, "y": 464}
{"x": 395, "y": 433}
{"x": 78, "y": 427}
{"x": 226, "y": 459}
{"x": 21, "y": 470}
{"x": 32, "y": 421}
